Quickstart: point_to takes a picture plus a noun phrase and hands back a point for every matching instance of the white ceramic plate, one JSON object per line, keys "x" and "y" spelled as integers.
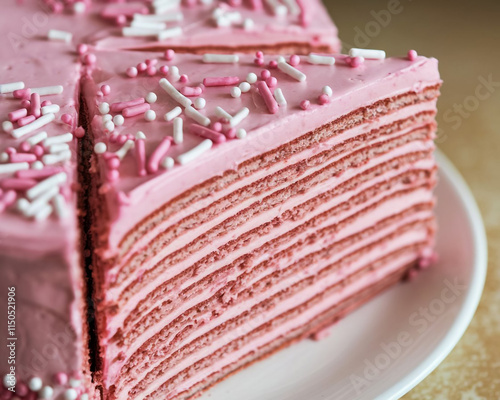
{"x": 384, "y": 349}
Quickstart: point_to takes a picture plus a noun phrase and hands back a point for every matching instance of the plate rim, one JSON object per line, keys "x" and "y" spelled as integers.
{"x": 473, "y": 295}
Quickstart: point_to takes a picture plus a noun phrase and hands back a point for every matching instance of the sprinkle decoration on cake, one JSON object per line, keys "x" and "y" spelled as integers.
{"x": 172, "y": 214}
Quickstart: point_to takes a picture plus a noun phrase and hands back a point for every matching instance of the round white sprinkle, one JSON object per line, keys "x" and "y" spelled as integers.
{"x": 46, "y": 392}
{"x": 100, "y": 148}
{"x": 151, "y": 97}
{"x": 9, "y": 380}
{"x": 70, "y": 394}
{"x": 244, "y": 87}
{"x": 241, "y": 134}
{"x": 150, "y": 115}
{"x": 327, "y": 90}
{"x": 251, "y": 77}
{"x": 132, "y": 72}
{"x": 74, "y": 383}
{"x": 7, "y": 126}
{"x": 140, "y": 135}
{"x": 84, "y": 396}
{"x": 168, "y": 163}
{"x": 37, "y": 165}
{"x": 35, "y": 384}
{"x": 79, "y": 7}
{"x": 235, "y": 92}
{"x": 106, "y": 118}
{"x": 4, "y": 157}
{"x": 109, "y": 126}
{"x": 104, "y": 108}
{"x": 200, "y": 103}
{"x": 118, "y": 120}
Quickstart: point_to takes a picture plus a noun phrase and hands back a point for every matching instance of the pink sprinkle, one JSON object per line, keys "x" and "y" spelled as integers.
{"x": 26, "y": 104}
{"x": 38, "y": 150}
{"x": 265, "y": 74}
{"x": 141, "y": 67}
{"x": 208, "y": 133}
{"x": 323, "y": 99}
{"x": 221, "y": 81}
{"x": 235, "y": 3}
{"x": 18, "y": 114}
{"x": 10, "y": 150}
{"x": 230, "y": 133}
{"x": 164, "y": 70}
{"x": 57, "y": 8}
{"x": 357, "y": 61}
{"x": 35, "y": 105}
{"x": 305, "y": 104}
{"x": 191, "y": 91}
{"x": 271, "y": 81}
{"x": 113, "y": 163}
{"x": 9, "y": 198}
{"x": 268, "y": 97}
{"x": 89, "y": 59}
{"x": 105, "y": 89}
{"x": 26, "y": 120}
{"x": 121, "y": 20}
{"x": 46, "y": 103}
{"x": 259, "y": 54}
{"x": 131, "y": 72}
{"x": 273, "y": 64}
{"x": 21, "y": 389}
{"x": 121, "y": 139}
{"x": 158, "y": 154}
{"x": 112, "y": 175}
{"x": 119, "y": 106}
{"x": 67, "y": 119}
{"x": 294, "y": 60}
{"x": 140, "y": 157}
{"x": 24, "y": 147}
{"x": 22, "y": 94}
{"x": 126, "y": 9}
{"x": 135, "y": 110}
{"x": 412, "y": 55}
{"x": 82, "y": 48}
{"x": 18, "y": 183}
{"x": 256, "y": 4}
{"x": 183, "y": 78}
{"x": 259, "y": 62}
{"x": 151, "y": 62}
{"x": 22, "y": 157}
{"x": 304, "y": 16}
{"x": 151, "y": 71}
{"x": 79, "y": 132}
{"x": 169, "y": 55}
{"x": 217, "y": 126}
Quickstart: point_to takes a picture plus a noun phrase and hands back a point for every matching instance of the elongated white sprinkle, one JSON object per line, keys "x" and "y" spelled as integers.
{"x": 13, "y": 167}
{"x": 174, "y": 93}
{"x": 291, "y": 71}
{"x": 169, "y": 17}
{"x": 321, "y": 60}
{"x": 36, "y": 124}
{"x": 7, "y": 126}
{"x": 292, "y": 6}
{"x": 48, "y": 90}
{"x": 239, "y": 116}
{"x": 220, "y": 58}
{"x": 367, "y": 53}
{"x": 148, "y": 25}
{"x": 53, "y": 108}
{"x": 195, "y": 152}
{"x": 278, "y": 8}
{"x": 63, "y": 36}
{"x": 170, "y": 33}
{"x": 30, "y": 209}
{"x": 280, "y": 97}
{"x": 44, "y": 213}
{"x": 58, "y": 147}
{"x": 65, "y": 138}
{"x": 60, "y": 206}
{"x": 53, "y": 181}
{"x": 130, "y": 31}
{"x": 51, "y": 159}
{"x": 193, "y": 113}
{"x": 37, "y": 138}
{"x": 178, "y": 130}
{"x": 221, "y": 113}
{"x": 10, "y": 87}
{"x": 129, "y": 144}
{"x": 173, "y": 113}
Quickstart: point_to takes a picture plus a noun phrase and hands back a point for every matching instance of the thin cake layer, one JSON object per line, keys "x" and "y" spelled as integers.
{"x": 258, "y": 240}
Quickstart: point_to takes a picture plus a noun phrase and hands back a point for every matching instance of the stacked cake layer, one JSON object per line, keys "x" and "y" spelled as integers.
{"x": 269, "y": 205}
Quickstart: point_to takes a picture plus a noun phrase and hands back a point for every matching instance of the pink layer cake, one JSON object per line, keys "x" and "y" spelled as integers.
{"x": 237, "y": 209}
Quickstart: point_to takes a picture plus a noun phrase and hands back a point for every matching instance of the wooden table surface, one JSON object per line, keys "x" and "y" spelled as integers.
{"x": 464, "y": 36}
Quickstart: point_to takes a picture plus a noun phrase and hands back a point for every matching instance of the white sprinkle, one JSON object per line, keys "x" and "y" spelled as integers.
{"x": 170, "y": 33}
{"x": 170, "y": 17}
{"x": 106, "y": 118}
{"x": 280, "y": 97}
{"x": 291, "y": 71}
{"x": 53, "y": 181}
{"x": 241, "y": 134}
{"x": 65, "y": 138}
{"x": 51, "y": 159}
{"x": 174, "y": 73}
{"x": 84, "y": 396}
{"x": 104, "y": 108}
{"x": 46, "y": 392}
{"x": 327, "y": 90}
{"x": 175, "y": 112}
{"x": 100, "y": 148}
{"x": 35, "y": 384}
{"x": 278, "y": 9}
{"x": 221, "y": 113}
{"x": 220, "y": 58}
{"x": 151, "y": 97}
{"x": 140, "y": 135}
{"x": 48, "y": 90}
{"x": 281, "y": 59}
{"x": 13, "y": 167}
{"x": 9, "y": 380}
{"x": 222, "y": 22}
{"x": 150, "y": 115}
{"x": 60, "y": 208}
{"x": 161, "y": 6}
{"x": 195, "y": 152}
{"x": 75, "y": 383}
{"x": 321, "y": 60}
{"x": 244, "y": 87}
{"x": 148, "y": 25}
{"x": 31, "y": 209}
{"x": 79, "y": 7}
{"x": 197, "y": 116}
{"x": 293, "y": 7}
{"x": 37, "y": 138}
{"x": 248, "y": 24}
{"x": 10, "y": 87}
{"x": 235, "y": 92}
{"x": 168, "y": 163}
{"x": 234, "y": 17}
{"x": 367, "y": 53}
{"x": 109, "y": 126}
{"x": 57, "y": 148}
{"x": 37, "y": 165}
{"x": 7, "y": 126}
{"x": 4, "y": 157}
{"x": 251, "y": 78}
{"x": 53, "y": 108}
{"x": 174, "y": 93}
{"x": 70, "y": 394}
{"x": 124, "y": 149}
{"x": 178, "y": 131}
{"x": 239, "y": 116}
{"x": 118, "y": 120}
{"x": 63, "y": 36}
{"x": 140, "y": 32}
{"x": 199, "y": 103}
{"x": 36, "y": 124}
{"x": 44, "y": 213}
